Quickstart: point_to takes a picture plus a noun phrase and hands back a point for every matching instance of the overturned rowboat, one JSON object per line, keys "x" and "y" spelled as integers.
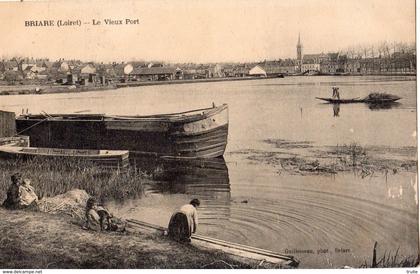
{"x": 104, "y": 158}
{"x": 227, "y": 247}
{"x": 193, "y": 134}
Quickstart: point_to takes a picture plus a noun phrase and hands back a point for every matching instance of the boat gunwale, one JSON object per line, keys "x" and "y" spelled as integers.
{"x": 19, "y": 151}
{"x": 173, "y": 117}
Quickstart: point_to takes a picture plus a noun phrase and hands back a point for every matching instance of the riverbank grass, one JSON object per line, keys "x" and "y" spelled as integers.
{"x": 52, "y": 177}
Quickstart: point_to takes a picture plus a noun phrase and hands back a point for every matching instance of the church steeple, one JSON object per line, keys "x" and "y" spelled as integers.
{"x": 299, "y": 54}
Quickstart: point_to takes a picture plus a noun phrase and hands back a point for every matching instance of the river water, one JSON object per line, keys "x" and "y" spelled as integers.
{"x": 324, "y": 220}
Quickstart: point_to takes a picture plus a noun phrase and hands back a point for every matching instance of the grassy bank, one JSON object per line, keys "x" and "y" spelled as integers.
{"x": 33, "y": 239}
{"x": 52, "y": 177}
{"x": 40, "y": 240}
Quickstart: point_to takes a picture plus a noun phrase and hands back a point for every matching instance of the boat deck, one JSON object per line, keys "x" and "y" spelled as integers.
{"x": 104, "y": 158}
{"x": 169, "y": 117}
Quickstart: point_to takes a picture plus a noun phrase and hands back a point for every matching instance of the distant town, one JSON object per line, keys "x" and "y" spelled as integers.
{"x": 383, "y": 59}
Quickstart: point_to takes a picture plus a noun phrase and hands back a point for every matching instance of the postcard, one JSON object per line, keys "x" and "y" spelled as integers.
{"x": 208, "y": 134}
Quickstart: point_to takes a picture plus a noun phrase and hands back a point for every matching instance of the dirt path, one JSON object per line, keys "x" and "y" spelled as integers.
{"x": 41, "y": 240}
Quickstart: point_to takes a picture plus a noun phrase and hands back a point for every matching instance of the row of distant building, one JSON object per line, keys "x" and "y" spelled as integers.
{"x": 87, "y": 73}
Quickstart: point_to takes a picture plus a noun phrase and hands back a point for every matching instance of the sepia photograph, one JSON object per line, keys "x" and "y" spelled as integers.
{"x": 261, "y": 134}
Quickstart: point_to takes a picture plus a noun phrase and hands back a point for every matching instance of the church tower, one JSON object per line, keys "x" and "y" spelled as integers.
{"x": 299, "y": 55}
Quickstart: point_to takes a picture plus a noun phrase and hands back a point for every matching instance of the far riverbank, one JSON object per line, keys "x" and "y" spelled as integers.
{"x": 35, "y": 88}
{"x": 192, "y": 81}
{"x": 49, "y": 89}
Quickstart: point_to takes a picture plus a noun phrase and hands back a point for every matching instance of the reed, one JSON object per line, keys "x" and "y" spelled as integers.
{"x": 352, "y": 155}
{"x": 391, "y": 259}
{"x": 52, "y": 177}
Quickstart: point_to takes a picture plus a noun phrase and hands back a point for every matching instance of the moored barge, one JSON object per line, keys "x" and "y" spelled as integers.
{"x": 193, "y": 134}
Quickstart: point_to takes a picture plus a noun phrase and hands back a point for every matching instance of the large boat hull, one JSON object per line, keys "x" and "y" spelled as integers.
{"x": 196, "y": 134}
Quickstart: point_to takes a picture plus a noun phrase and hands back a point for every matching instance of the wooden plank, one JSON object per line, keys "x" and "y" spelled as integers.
{"x": 7, "y": 124}
{"x": 228, "y": 247}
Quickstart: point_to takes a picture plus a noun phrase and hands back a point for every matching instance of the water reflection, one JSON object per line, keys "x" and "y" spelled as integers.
{"x": 336, "y": 110}
{"x": 205, "y": 178}
{"x": 371, "y": 106}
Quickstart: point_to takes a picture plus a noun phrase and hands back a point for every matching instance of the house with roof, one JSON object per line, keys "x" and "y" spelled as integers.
{"x": 88, "y": 74}
{"x": 30, "y": 72}
{"x": 272, "y": 69}
{"x": 402, "y": 62}
{"x": 199, "y": 71}
{"x": 28, "y": 64}
{"x": 157, "y": 73}
{"x": 88, "y": 69}
{"x": 188, "y": 74}
{"x": 312, "y": 62}
{"x": 352, "y": 66}
{"x": 44, "y": 75}
{"x": 228, "y": 71}
{"x": 335, "y": 63}
{"x": 279, "y": 67}
{"x": 257, "y": 71}
{"x": 241, "y": 70}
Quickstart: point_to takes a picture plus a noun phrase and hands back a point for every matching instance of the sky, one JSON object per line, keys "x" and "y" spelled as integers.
{"x": 201, "y": 31}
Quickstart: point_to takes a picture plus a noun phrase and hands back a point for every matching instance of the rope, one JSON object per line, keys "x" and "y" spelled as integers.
{"x": 20, "y": 132}
{"x": 43, "y": 113}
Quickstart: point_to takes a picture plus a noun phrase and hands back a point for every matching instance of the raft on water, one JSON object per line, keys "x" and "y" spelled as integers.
{"x": 104, "y": 158}
{"x": 200, "y": 133}
{"x": 227, "y": 247}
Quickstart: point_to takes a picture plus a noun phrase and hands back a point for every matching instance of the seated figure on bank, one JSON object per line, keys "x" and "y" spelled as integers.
{"x": 98, "y": 218}
{"x": 20, "y": 194}
{"x": 28, "y": 196}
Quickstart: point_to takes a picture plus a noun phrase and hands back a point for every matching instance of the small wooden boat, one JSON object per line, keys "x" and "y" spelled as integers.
{"x": 200, "y": 133}
{"x": 341, "y": 101}
{"x": 227, "y": 247}
{"x": 20, "y": 141}
{"x": 373, "y": 98}
{"x": 104, "y": 158}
